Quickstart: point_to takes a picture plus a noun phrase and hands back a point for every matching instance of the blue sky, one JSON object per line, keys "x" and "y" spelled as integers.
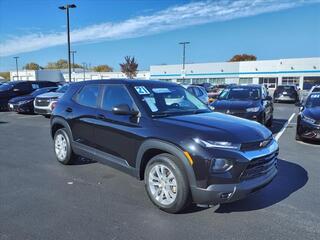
{"x": 106, "y": 31}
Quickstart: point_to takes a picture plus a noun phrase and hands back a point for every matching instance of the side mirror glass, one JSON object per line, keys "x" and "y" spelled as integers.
{"x": 124, "y": 109}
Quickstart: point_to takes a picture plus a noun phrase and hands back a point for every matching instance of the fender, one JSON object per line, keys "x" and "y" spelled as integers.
{"x": 170, "y": 148}
{"x": 63, "y": 122}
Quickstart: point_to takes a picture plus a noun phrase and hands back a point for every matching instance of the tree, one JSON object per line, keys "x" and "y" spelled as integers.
{"x": 102, "y": 68}
{"x": 5, "y": 75}
{"x": 243, "y": 57}
{"x": 61, "y": 64}
{"x": 129, "y": 67}
{"x": 32, "y": 66}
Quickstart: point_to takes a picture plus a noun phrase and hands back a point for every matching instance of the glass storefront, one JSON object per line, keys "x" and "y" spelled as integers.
{"x": 291, "y": 81}
{"x": 269, "y": 82}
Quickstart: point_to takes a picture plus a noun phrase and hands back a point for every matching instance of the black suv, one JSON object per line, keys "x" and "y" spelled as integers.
{"x": 286, "y": 93}
{"x": 163, "y": 134}
{"x": 13, "y": 89}
{"x": 247, "y": 101}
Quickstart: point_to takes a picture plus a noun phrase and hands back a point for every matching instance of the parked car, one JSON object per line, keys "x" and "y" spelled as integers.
{"x": 198, "y": 91}
{"x": 24, "y": 104}
{"x": 13, "y": 89}
{"x": 308, "y": 121}
{"x": 286, "y": 93}
{"x": 249, "y": 101}
{"x": 206, "y": 86}
{"x": 162, "y": 134}
{"x": 43, "y": 104}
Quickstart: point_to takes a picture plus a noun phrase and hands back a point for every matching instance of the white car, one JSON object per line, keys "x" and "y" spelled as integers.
{"x": 45, "y": 103}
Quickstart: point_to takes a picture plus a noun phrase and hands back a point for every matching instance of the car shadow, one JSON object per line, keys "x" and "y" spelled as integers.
{"x": 277, "y": 125}
{"x": 1, "y": 122}
{"x": 291, "y": 177}
{"x": 82, "y": 161}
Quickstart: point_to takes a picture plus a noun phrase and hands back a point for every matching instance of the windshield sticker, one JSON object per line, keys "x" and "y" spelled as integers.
{"x": 161, "y": 90}
{"x": 141, "y": 90}
{"x": 315, "y": 96}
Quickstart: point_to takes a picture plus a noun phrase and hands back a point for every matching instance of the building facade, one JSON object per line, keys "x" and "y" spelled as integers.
{"x": 303, "y": 72}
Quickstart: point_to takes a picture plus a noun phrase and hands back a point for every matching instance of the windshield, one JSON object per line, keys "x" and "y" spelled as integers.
{"x": 63, "y": 88}
{"x": 313, "y": 101}
{"x": 6, "y": 87}
{"x": 240, "y": 94}
{"x": 169, "y": 100}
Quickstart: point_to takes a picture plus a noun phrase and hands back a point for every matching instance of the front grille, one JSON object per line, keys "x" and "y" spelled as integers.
{"x": 42, "y": 102}
{"x": 250, "y": 146}
{"x": 260, "y": 166}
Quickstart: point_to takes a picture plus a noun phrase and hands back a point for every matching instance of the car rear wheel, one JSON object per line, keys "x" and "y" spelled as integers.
{"x": 166, "y": 183}
{"x": 62, "y": 147}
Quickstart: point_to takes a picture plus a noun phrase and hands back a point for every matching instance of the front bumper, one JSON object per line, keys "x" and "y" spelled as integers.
{"x": 309, "y": 131}
{"x": 26, "y": 108}
{"x": 229, "y": 192}
{"x": 42, "y": 111}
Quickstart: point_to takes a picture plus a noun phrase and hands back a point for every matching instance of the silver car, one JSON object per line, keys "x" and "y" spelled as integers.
{"x": 199, "y": 92}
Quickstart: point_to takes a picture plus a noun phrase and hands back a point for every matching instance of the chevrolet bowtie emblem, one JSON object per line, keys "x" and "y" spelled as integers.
{"x": 264, "y": 143}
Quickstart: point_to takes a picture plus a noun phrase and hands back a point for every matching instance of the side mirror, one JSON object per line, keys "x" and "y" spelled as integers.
{"x": 124, "y": 109}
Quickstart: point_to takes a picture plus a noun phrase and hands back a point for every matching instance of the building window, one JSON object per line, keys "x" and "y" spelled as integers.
{"x": 245, "y": 80}
{"x": 291, "y": 81}
{"x": 216, "y": 81}
{"x": 269, "y": 82}
{"x": 199, "y": 80}
{"x": 309, "y": 82}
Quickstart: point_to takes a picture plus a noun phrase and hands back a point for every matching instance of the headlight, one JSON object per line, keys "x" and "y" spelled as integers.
{"x": 253, "y": 109}
{"x": 308, "y": 119}
{"x": 217, "y": 144}
{"x": 221, "y": 165}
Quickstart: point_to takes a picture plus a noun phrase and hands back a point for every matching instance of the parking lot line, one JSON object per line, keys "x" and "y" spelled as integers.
{"x": 284, "y": 127}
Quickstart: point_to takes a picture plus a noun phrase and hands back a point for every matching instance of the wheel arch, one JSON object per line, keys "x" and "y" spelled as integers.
{"x": 58, "y": 123}
{"x": 153, "y": 147}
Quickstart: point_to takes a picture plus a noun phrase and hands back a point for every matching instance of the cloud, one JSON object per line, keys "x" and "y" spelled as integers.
{"x": 176, "y": 17}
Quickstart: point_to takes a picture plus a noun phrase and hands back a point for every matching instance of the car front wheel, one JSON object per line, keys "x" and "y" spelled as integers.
{"x": 166, "y": 183}
{"x": 62, "y": 147}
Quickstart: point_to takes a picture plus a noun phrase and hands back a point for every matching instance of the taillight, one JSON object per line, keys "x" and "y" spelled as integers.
{"x": 53, "y": 105}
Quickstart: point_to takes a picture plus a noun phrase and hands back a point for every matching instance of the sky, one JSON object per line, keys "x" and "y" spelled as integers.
{"x": 105, "y": 31}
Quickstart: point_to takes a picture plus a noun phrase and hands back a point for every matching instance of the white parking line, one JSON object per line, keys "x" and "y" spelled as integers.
{"x": 29, "y": 116}
{"x": 284, "y": 127}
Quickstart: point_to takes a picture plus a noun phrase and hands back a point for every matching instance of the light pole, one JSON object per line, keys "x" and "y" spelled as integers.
{"x": 184, "y": 54}
{"x": 84, "y": 71}
{"x": 17, "y": 69}
{"x": 66, "y": 7}
{"x": 73, "y": 52}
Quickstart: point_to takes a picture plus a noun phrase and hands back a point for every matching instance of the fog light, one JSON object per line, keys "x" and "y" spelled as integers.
{"x": 221, "y": 165}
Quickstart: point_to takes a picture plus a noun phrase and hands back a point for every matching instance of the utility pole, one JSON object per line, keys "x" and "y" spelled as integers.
{"x": 66, "y": 7}
{"x": 17, "y": 68}
{"x": 184, "y": 54}
{"x": 84, "y": 71}
{"x": 73, "y": 52}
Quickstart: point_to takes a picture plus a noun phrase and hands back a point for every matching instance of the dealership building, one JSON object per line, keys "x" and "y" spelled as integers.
{"x": 304, "y": 72}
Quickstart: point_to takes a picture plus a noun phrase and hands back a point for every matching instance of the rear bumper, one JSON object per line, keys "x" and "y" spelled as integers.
{"x": 285, "y": 99}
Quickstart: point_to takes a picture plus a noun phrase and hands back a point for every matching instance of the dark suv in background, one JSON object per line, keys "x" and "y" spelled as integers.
{"x": 286, "y": 93}
{"x": 163, "y": 134}
{"x": 247, "y": 101}
{"x": 13, "y": 89}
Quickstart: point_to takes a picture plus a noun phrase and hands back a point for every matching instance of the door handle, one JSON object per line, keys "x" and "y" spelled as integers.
{"x": 101, "y": 116}
{"x": 69, "y": 109}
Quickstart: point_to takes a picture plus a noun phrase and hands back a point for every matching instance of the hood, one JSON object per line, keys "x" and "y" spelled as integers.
{"x": 220, "y": 127}
{"x": 21, "y": 98}
{"x": 235, "y": 105}
{"x": 50, "y": 95}
{"x": 312, "y": 113}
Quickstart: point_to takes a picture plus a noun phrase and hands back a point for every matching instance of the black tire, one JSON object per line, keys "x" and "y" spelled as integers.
{"x": 69, "y": 156}
{"x": 183, "y": 196}
{"x": 270, "y": 121}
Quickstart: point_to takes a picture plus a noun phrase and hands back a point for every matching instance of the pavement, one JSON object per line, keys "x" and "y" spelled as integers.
{"x": 42, "y": 199}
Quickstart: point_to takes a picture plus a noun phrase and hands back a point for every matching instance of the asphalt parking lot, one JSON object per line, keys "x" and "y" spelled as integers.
{"x": 42, "y": 199}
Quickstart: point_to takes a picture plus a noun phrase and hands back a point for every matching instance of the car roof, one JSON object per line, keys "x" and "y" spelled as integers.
{"x": 127, "y": 82}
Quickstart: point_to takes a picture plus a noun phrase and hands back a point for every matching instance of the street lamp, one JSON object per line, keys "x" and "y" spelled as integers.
{"x": 184, "y": 54}
{"x": 17, "y": 69}
{"x": 84, "y": 71}
{"x": 66, "y": 7}
{"x": 73, "y": 52}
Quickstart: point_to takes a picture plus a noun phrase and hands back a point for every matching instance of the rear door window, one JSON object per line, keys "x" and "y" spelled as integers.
{"x": 88, "y": 96}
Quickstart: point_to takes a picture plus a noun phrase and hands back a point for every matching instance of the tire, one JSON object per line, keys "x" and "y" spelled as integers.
{"x": 171, "y": 195}
{"x": 270, "y": 121}
{"x": 62, "y": 147}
